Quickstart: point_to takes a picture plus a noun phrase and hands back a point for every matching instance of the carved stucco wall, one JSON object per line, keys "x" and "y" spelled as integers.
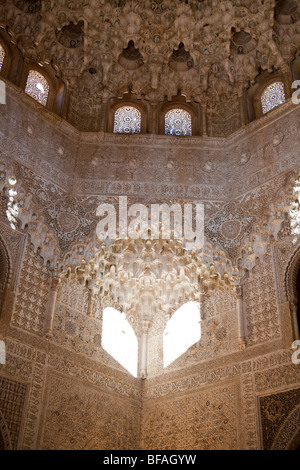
{"x": 76, "y": 395}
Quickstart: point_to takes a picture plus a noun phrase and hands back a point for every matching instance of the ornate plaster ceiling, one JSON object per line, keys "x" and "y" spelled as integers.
{"x": 209, "y": 49}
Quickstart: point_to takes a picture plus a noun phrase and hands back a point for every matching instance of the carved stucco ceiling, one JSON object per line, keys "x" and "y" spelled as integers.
{"x": 209, "y": 49}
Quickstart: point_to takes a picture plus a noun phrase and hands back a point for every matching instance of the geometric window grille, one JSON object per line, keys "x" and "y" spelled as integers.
{"x": 37, "y": 87}
{"x": 178, "y": 122}
{"x": 295, "y": 211}
{"x": 272, "y": 96}
{"x": 181, "y": 332}
{"x": 2, "y": 55}
{"x": 119, "y": 339}
{"x": 127, "y": 119}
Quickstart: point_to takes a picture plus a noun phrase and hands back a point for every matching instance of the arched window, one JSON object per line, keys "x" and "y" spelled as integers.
{"x": 181, "y": 332}
{"x": 272, "y": 96}
{"x": 37, "y": 87}
{"x": 178, "y": 122}
{"x": 119, "y": 339}
{"x": 127, "y": 119}
{"x": 2, "y": 55}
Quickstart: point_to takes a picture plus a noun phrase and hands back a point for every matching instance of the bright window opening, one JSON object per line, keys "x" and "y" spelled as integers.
{"x": 119, "y": 339}
{"x": 178, "y": 122}
{"x": 181, "y": 332}
{"x": 295, "y": 211}
{"x": 272, "y": 96}
{"x": 12, "y": 211}
{"x": 37, "y": 87}
{"x": 2, "y": 55}
{"x": 128, "y": 120}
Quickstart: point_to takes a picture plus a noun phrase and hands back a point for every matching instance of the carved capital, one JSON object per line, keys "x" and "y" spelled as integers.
{"x": 239, "y": 291}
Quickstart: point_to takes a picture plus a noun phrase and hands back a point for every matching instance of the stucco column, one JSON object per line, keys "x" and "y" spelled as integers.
{"x": 154, "y": 120}
{"x": 49, "y": 318}
{"x": 202, "y": 297}
{"x": 243, "y": 111}
{"x": 145, "y": 325}
{"x": 241, "y": 318}
{"x": 204, "y": 124}
{"x": 295, "y": 327}
{"x": 91, "y": 302}
{"x": 104, "y": 114}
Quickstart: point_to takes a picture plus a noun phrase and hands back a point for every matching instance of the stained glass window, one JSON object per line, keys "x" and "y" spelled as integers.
{"x": 178, "y": 122}
{"x": 128, "y": 120}
{"x": 2, "y": 55}
{"x": 272, "y": 96}
{"x": 181, "y": 332}
{"x": 37, "y": 87}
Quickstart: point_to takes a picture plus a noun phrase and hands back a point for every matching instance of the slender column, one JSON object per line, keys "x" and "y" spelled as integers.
{"x": 293, "y": 309}
{"x": 242, "y": 109}
{"x": 145, "y": 325}
{"x": 154, "y": 124}
{"x": 48, "y": 325}
{"x": 287, "y": 74}
{"x": 104, "y": 115}
{"x": 202, "y": 297}
{"x": 204, "y": 126}
{"x": 91, "y": 302}
{"x": 241, "y": 319}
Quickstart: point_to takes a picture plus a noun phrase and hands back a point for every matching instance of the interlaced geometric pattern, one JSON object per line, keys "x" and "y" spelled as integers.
{"x": 37, "y": 87}
{"x": 178, "y": 122}
{"x": 2, "y": 55}
{"x": 272, "y": 96}
{"x": 128, "y": 120}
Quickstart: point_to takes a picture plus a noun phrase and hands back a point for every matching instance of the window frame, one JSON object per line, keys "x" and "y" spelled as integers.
{"x": 181, "y": 109}
{"x": 254, "y": 92}
{"x": 128, "y": 99}
{"x": 127, "y": 106}
{"x": 265, "y": 89}
{"x": 179, "y": 102}
{"x": 32, "y": 69}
